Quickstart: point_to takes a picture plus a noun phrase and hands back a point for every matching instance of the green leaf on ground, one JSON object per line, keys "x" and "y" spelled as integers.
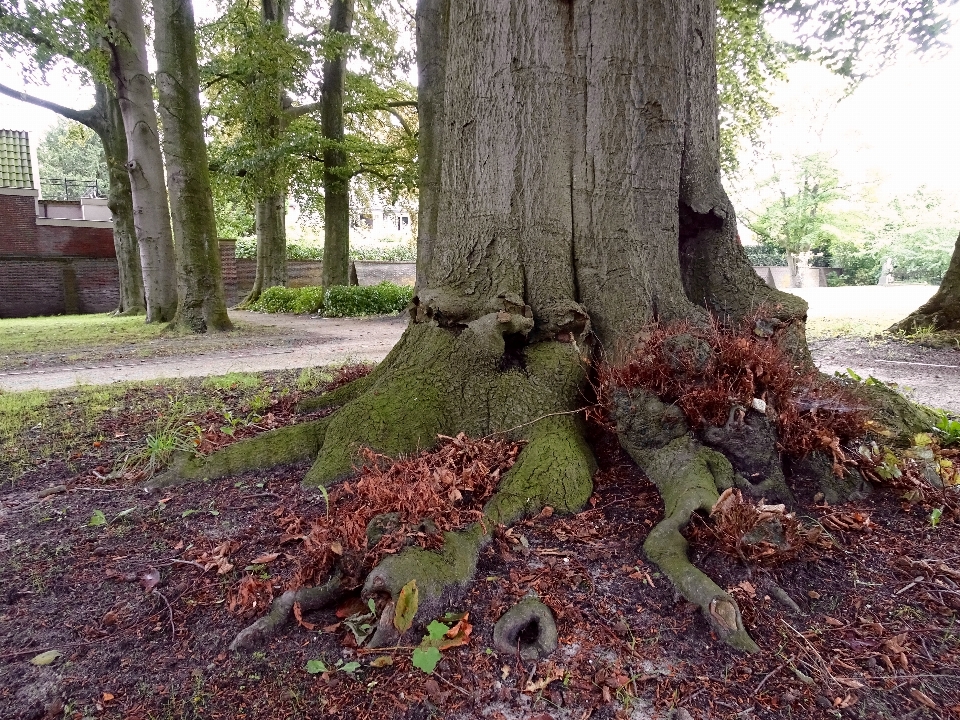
{"x": 315, "y": 667}
{"x": 426, "y": 659}
{"x": 45, "y": 658}
{"x": 407, "y": 603}
{"x": 97, "y": 519}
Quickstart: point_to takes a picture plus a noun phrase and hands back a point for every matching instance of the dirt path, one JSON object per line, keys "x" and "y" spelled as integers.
{"x": 328, "y": 340}
{"x": 930, "y": 376}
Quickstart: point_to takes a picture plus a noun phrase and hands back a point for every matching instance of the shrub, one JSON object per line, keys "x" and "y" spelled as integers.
{"x": 308, "y": 300}
{"x": 399, "y": 253}
{"x": 356, "y": 301}
{"x": 279, "y": 299}
{"x": 246, "y": 248}
{"x": 761, "y": 255}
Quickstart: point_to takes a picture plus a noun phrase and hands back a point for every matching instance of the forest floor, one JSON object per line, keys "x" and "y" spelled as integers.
{"x": 122, "y": 600}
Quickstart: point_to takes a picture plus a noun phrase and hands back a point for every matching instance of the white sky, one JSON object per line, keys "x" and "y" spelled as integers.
{"x": 899, "y": 127}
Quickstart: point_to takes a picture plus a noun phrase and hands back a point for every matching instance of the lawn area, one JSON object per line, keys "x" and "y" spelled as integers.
{"x": 70, "y": 339}
{"x": 47, "y": 334}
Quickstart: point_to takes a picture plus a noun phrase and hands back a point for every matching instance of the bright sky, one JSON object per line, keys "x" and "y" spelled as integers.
{"x": 899, "y": 127}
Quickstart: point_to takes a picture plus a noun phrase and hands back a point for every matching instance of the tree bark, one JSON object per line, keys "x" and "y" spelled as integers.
{"x": 336, "y": 180}
{"x": 151, "y": 212}
{"x": 271, "y": 202}
{"x": 201, "y": 305}
{"x": 942, "y": 311}
{"x": 271, "y": 245}
{"x": 120, "y": 202}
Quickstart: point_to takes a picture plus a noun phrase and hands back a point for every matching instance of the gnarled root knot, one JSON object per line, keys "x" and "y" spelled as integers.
{"x": 257, "y": 634}
{"x": 528, "y": 628}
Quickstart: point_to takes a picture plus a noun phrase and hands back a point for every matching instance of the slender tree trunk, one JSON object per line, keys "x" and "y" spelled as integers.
{"x": 201, "y": 306}
{"x": 336, "y": 180}
{"x": 120, "y": 202}
{"x": 271, "y": 245}
{"x": 942, "y": 311}
{"x": 271, "y": 203}
{"x": 145, "y": 164}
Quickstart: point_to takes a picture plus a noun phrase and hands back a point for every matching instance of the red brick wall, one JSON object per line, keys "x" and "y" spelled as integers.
{"x": 18, "y": 226}
{"x": 53, "y": 269}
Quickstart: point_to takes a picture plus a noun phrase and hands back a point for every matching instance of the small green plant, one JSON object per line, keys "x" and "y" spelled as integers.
{"x": 949, "y": 430}
{"x": 97, "y": 519}
{"x": 358, "y": 301}
{"x": 298, "y": 301}
{"x": 935, "y": 516}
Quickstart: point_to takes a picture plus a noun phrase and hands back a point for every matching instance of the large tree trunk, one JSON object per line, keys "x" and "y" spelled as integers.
{"x": 271, "y": 245}
{"x": 145, "y": 164}
{"x": 942, "y": 311}
{"x": 336, "y": 180}
{"x": 201, "y": 306}
{"x": 570, "y": 196}
{"x": 120, "y": 202}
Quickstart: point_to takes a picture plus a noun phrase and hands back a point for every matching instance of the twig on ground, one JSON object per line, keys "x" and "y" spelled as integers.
{"x": 173, "y": 627}
{"x": 769, "y": 675}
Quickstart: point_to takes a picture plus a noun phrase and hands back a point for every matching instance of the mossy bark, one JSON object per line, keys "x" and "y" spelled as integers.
{"x": 942, "y": 311}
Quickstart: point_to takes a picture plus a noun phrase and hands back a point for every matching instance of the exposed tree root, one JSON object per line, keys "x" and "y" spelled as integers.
{"x": 527, "y": 629}
{"x": 683, "y": 472}
{"x": 275, "y": 447}
{"x": 315, "y": 598}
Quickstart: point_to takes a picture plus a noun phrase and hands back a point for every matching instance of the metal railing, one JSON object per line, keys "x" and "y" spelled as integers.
{"x": 65, "y": 189}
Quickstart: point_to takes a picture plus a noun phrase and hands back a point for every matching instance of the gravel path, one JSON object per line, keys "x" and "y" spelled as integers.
{"x": 930, "y": 376}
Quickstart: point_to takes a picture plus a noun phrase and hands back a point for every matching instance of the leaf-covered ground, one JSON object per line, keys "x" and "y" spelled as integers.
{"x": 138, "y": 595}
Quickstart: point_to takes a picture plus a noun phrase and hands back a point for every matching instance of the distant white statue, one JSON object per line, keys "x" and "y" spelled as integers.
{"x": 886, "y": 273}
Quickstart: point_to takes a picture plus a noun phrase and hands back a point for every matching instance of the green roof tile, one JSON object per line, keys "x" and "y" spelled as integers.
{"x": 15, "y": 170}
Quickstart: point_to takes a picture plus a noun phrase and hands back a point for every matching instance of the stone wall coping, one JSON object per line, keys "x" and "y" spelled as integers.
{"x": 19, "y": 191}
{"x": 58, "y": 222}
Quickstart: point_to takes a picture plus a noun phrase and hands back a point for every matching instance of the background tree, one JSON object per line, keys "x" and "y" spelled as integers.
{"x": 72, "y": 152}
{"x": 802, "y": 219}
{"x": 941, "y": 312}
{"x": 266, "y": 90}
{"x": 134, "y": 88}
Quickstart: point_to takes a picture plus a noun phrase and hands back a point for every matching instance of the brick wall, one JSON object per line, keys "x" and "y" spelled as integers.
{"x": 50, "y": 267}
{"x": 18, "y": 224}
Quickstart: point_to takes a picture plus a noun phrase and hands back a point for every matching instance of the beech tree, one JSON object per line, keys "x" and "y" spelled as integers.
{"x": 570, "y": 197}
{"x": 942, "y": 311}
{"x": 292, "y": 118}
{"x": 201, "y": 306}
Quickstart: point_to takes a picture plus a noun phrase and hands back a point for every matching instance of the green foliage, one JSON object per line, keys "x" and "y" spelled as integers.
{"x": 357, "y": 301}
{"x": 298, "y": 301}
{"x": 400, "y": 252}
{"x": 917, "y": 232}
{"x": 748, "y": 60}
{"x": 73, "y": 152}
{"x": 949, "y": 431}
{"x": 801, "y": 216}
{"x": 382, "y": 253}
{"x": 760, "y": 255}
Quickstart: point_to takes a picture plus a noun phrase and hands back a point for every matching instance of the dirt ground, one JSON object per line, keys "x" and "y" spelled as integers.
{"x": 128, "y": 595}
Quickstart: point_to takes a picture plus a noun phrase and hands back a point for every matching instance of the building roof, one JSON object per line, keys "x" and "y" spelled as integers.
{"x": 15, "y": 170}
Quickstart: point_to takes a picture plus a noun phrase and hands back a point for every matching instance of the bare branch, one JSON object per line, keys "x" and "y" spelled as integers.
{"x": 88, "y": 117}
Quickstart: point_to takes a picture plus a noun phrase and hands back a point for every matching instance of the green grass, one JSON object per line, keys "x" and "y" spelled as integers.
{"x": 45, "y": 334}
{"x": 39, "y": 425}
{"x": 819, "y": 328}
